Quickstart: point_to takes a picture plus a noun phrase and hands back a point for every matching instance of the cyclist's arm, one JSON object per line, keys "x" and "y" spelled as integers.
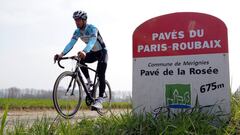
{"x": 93, "y": 30}
{"x": 70, "y": 45}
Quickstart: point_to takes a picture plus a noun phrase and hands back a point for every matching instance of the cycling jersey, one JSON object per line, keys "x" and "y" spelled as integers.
{"x": 90, "y": 35}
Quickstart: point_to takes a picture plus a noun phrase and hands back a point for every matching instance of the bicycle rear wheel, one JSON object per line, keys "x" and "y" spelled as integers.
{"x": 67, "y": 94}
{"x": 107, "y": 97}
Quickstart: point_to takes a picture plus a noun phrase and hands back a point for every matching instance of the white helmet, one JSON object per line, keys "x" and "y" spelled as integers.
{"x": 80, "y": 15}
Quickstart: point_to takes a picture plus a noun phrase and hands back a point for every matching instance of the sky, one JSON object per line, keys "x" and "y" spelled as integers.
{"x": 33, "y": 31}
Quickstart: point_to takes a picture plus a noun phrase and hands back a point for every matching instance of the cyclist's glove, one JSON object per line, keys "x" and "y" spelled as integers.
{"x": 57, "y": 57}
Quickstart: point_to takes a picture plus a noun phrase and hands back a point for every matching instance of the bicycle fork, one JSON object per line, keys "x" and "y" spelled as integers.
{"x": 73, "y": 80}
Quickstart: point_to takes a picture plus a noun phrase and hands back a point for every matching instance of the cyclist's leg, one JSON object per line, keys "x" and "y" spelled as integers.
{"x": 90, "y": 58}
{"x": 101, "y": 74}
{"x": 101, "y": 68}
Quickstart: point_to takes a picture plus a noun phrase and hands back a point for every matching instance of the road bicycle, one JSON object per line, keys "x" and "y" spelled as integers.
{"x": 70, "y": 88}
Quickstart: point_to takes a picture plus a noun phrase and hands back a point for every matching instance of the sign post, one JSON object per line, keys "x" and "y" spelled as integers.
{"x": 178, "y": 58}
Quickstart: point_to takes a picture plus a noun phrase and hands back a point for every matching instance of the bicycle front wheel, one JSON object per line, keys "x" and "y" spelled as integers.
{"x": 67, "y": 94}
{"x": 107, "y": 97}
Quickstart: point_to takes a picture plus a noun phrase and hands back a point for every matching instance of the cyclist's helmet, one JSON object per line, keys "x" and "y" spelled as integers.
{"x": 80, "y": 15}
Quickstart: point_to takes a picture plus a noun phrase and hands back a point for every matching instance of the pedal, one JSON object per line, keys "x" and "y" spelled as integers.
{"x": 93, "y": 108}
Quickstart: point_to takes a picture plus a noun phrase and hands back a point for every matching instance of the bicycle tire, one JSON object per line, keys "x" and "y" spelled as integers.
{"x": 61, "y": 105}
{"x": 107, "y": 98}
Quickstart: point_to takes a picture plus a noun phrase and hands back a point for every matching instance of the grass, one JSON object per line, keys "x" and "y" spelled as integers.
{"x": 3, "y": 120}
{"x": 14, "y": 103}
{"x": 196, "y": 123}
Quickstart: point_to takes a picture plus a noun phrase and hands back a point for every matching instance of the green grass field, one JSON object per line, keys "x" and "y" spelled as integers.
{"x": 14, "y": 103}
{"x": 196, "y": 123}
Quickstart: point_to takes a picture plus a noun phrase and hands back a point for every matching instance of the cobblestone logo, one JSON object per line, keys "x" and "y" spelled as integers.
{"x": 178, "y": 95}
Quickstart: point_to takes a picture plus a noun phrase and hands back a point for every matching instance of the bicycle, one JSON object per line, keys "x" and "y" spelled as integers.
{"x": 68, "y": 93}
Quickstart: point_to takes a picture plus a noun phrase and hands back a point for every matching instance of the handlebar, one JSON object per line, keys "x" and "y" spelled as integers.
{"x": 64, "y": 58}
{"x": 73, "y": 58}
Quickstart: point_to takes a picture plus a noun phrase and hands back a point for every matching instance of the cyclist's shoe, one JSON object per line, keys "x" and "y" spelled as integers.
{"x": 98, "y": 103}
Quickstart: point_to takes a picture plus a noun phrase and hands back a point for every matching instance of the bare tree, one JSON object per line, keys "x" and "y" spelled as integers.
{"x": 14, "y": 92}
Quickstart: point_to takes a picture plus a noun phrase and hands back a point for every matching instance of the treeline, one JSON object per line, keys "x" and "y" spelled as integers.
{"x": 14, "y": 92}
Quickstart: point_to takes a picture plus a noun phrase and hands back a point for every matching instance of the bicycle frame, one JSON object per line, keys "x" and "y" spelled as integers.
{"x": 82, "y": 81}
{"x": 79, "y": 75}
{"x": 76, "y": 78}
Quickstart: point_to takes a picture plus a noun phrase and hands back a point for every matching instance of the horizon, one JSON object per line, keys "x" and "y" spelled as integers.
{"x": 32, "y": 35}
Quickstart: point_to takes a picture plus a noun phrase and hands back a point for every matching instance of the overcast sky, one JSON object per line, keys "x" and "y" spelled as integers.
{"x": 32, "y": 31}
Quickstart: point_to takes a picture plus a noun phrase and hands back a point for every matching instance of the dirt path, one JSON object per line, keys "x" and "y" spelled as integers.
{"x": 29, "y": 116}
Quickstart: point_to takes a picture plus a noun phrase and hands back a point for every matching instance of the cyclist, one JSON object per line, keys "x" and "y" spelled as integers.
{"x": 95, "y": 50}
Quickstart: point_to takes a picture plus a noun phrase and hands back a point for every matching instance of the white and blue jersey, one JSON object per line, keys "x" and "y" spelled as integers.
{"x": 90, "y": 35}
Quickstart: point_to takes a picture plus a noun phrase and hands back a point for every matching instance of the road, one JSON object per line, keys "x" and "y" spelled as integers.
{"x": 29, "y": 116}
